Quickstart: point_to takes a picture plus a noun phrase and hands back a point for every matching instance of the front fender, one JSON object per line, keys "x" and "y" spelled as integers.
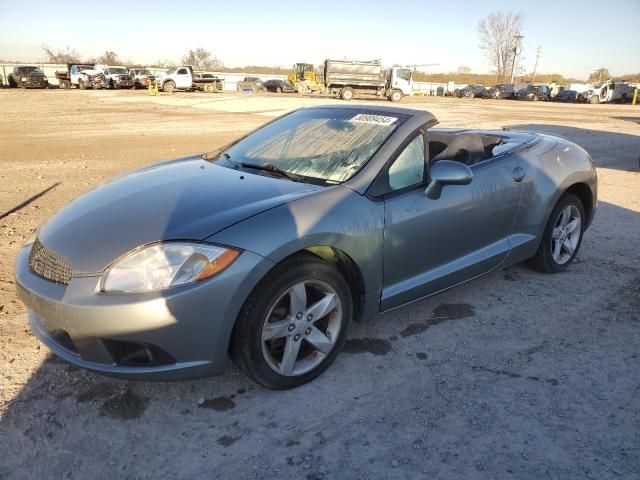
{"x": 335, "y": 217}
{"x": 553, "y": 172}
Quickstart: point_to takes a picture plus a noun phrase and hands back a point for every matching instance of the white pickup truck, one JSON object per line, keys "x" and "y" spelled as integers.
{"x": 183, "y": 78}
{"x": 611, "y": 92}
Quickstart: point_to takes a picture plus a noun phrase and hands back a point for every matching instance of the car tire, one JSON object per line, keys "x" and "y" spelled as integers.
{"x": 82, "y": 85}
{"x": 561, "y": 241}
{"x": 169, "y": 86}
{"x": 259, "y": 344}
{"x": 346, "y": 93}
{"x": 395, "y": 96}
{"x": 278, "y": 90}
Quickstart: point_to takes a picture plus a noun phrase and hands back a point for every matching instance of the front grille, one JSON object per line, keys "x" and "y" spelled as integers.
{"x": 49, "y": 265}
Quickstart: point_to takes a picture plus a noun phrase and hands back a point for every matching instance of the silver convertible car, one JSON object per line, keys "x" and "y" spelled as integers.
{"x": 266, "y": 250}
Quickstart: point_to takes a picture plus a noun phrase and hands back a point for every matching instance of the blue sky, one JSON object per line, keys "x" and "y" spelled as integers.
{"x": 576, "y": 37}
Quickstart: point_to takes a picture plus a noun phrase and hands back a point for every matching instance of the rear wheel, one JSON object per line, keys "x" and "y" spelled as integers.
{"x": 346, "y": 93}
{"x": 293, "y": 324}
{"x": 169, "y": 86}
{"x": 562, "y": 236}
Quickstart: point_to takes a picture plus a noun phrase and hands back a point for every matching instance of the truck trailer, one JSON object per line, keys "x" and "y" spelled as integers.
{"x": 347, "y": 78}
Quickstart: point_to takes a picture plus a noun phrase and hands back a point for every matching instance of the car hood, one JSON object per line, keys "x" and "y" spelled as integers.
{"x": 186, "y": 199}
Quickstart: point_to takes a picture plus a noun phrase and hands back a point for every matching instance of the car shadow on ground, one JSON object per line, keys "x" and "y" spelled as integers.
{"x": 501, "y": 377}
{"x": 608, "y": 149}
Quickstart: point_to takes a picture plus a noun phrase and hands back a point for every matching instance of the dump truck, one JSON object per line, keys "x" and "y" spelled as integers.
{"x": 347, "y": 78}
{"x": 80, "y": 75}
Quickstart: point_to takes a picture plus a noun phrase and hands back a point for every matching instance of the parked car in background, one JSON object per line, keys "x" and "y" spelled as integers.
{"x": 584, "y": 97}
{"x": 534, "y": 93}
{"x": 470, "y": 91}
{"x": 184, "y": 78}
{"x": 254, "y": 84}
{"x": 501, "y": 91}
{"x": 611, "y": 91}
{"x": 74, "y": 75}
{"x": 279, "y": 86}
{"x": 141, "y": 77}
{"x": 207, "y": 82}
{"x": 28, "y": 76}
{"x": 268, "y": 250}
{"x": 116, "y": 76}
{"x": 566, "y": 96}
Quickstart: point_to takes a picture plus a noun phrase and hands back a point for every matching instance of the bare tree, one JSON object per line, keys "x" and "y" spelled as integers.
{"x": 463, "y": 69}
{"x": 61, "y": 56}
{"x": 499, "y": 35}
{"x": 108, "y": 58}
{"x": 202, "y": 59}
{"x": 599, "y": 75}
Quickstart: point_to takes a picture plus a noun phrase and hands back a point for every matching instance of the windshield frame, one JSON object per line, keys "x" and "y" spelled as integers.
{"x": 221, "y": 154}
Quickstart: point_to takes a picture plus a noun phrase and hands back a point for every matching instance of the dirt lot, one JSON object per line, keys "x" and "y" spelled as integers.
{"x": 519, "y": 375}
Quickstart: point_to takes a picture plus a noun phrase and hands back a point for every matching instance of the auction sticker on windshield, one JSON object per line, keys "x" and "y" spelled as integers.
{"x": 373, "y": 119}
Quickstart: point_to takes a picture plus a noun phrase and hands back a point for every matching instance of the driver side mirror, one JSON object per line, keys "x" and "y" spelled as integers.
{"x": 447, "y": 172}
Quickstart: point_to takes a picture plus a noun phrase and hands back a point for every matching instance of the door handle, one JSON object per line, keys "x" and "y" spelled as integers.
{"x": 518, "y": 174}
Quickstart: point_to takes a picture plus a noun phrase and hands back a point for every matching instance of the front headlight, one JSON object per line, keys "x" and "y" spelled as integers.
{"x": 31, "y": 239}
{"x": 164, "y": 265}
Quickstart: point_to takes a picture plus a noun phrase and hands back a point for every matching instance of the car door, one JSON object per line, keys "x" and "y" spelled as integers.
{"x": 183, "y": 78}
{"x": 433, "y": 244}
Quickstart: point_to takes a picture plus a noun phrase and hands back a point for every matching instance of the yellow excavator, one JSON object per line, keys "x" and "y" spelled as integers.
{"x": 305, "y": 79}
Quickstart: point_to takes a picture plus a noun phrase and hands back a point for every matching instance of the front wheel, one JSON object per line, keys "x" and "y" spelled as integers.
{"x": 562, "y": 236}
{"x": 346, "y": 94}
{"x": 395, "y": 96}
{"x": 294, "y": 324}
{"x": 169, "y": 87}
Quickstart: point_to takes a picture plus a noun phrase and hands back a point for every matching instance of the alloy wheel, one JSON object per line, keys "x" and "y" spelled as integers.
{"x": 301, "y": 327}
{"x": 566, "y": 234}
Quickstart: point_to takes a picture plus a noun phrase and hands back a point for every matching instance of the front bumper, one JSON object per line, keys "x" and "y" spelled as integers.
{"x": 35, "y": 83}
{"x": 185, "y": 330}
{"x": 124, "y": 83}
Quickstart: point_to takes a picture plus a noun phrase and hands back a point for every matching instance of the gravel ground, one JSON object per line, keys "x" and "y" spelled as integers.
{"x": 519, "y": 375}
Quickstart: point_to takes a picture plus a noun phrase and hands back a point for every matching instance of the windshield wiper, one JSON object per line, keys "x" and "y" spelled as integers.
{"x": 270, "y": 167}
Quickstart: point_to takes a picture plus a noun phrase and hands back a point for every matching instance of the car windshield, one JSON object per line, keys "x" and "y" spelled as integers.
{"x": 117, "y": 70}
{"x": 320, "y": 145}
{"x": 143, "y": 72}
{"x": 171, "y": 71}
{"x": 26, "y": 70}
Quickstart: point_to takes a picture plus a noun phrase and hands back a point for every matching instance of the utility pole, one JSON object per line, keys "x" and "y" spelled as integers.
{"x": 516, "y": 51}
{"x": 535, "y": 68}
